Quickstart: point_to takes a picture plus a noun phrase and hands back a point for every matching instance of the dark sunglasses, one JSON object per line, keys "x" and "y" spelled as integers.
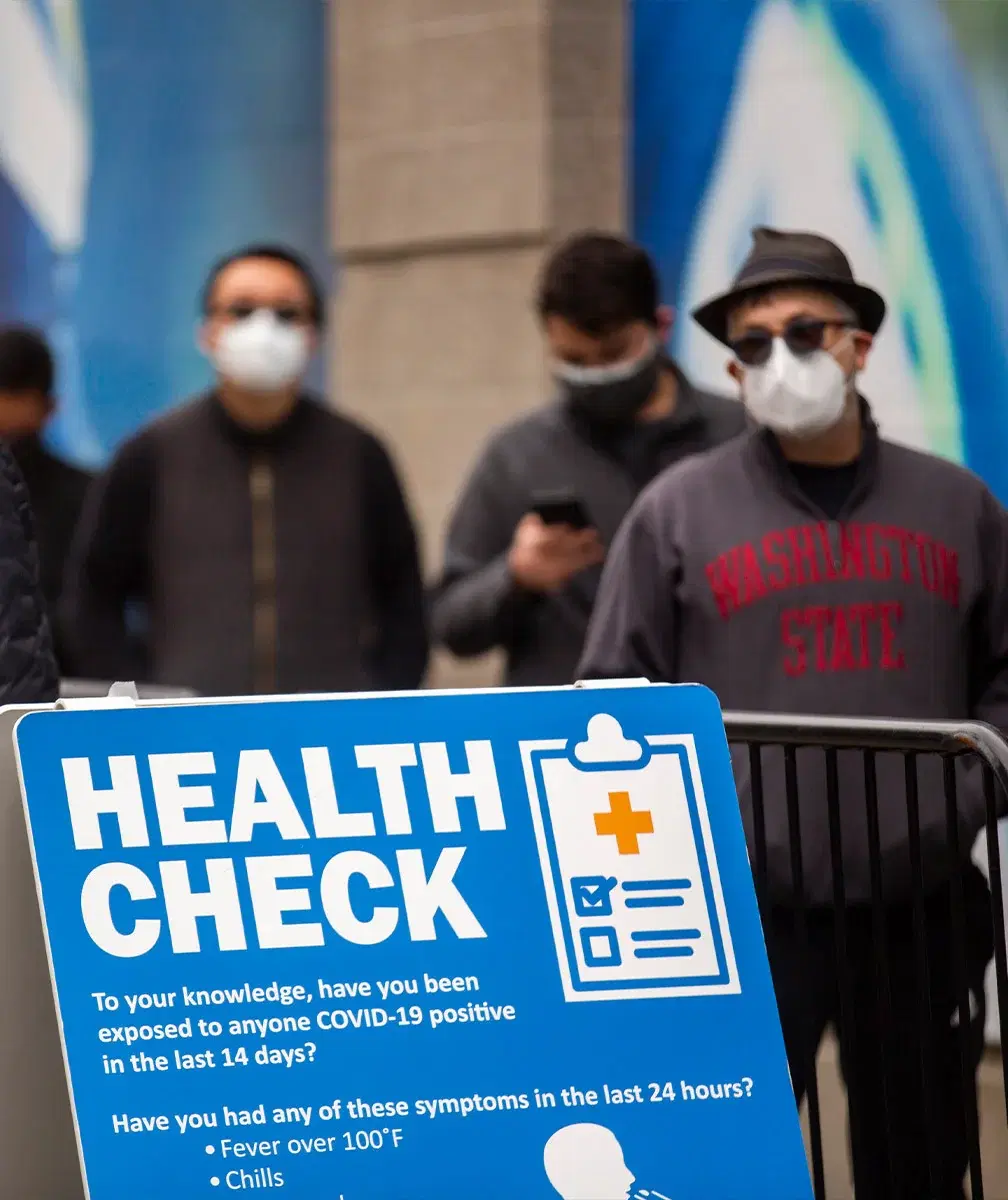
{"x": 285, "y": 314}
{"x": 802, "y": 336}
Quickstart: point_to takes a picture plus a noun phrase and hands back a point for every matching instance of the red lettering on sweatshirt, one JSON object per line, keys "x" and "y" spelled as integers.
{"x": 753, "y": 587}
{"x": 878, "y": 553}
{"x": 905, "y": 540}
{"x": 890, "y": 614}
{"x": 928, "y": 568}
{"x": 948, "y": 566}
{"x": 827, "y": 550}
{"x": 723, "y": 576}
{"x": 783, "y": 559}
{"x": 819, "y": 617}
{"x": 852, "y": 552}
{"x": 803, "y": 554}
{"x": 842, "y": 658}
{"x": 775, "y": 554}
{"x": 861, "y": 615}
{"x": 850, "y": 637}
{"x": 794, "y": 660}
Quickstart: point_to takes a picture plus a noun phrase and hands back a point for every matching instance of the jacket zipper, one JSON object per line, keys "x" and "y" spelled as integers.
{"x": 264, "y": 608}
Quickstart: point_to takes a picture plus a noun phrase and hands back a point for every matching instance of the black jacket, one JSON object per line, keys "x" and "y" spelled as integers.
{"x": 28, "y": 672}
{"x": 57, "y": 492}
{"x": 477, "y": 606}
{"x": 277, "y": 561}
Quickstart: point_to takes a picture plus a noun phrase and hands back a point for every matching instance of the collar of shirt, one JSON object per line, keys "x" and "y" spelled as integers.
{"x": 262, "y": 439}
{"x": 766, "y": 454}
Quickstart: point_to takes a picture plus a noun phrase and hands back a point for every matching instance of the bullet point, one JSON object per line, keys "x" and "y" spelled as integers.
{"x": 214, "y": 1181}
{"x": 209, "y": 1150}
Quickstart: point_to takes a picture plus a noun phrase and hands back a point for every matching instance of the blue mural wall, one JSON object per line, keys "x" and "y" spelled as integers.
{"x": 175, "y": 132}
{"x": 882, "y": 123}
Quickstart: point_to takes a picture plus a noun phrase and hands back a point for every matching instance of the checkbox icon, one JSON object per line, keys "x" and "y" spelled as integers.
{"x": 592, "y": 895}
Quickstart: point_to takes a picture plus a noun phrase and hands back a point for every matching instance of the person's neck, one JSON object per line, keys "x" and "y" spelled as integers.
{"x": 663, "y": 398}
{"x": 257, "y": 411}
{"x": 835, "y": 447}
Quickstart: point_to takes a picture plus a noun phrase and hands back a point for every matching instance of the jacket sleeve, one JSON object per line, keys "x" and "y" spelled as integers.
{"x": 477, "y": 605}
{"x": 108, "y": 569}
{"x": 28, "y": 673}
{"x": 988, "y": 651}
{"x": 633, "y": 630}
{"x": 396, "y": 580}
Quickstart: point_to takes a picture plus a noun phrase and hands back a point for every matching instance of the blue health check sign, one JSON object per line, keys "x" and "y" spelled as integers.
{"x": 410, "y": 948}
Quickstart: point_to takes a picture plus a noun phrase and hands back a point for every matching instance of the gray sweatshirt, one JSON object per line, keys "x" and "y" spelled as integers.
{"x": 726, "y": 574}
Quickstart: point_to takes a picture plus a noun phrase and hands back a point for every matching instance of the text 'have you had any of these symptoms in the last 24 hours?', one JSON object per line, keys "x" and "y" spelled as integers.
{"x": 283, "y": 1137}
{"x": 245, "y": 1138}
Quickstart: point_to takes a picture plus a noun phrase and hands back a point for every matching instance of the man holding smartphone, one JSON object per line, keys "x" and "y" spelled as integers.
{"x": 527, "y": 538}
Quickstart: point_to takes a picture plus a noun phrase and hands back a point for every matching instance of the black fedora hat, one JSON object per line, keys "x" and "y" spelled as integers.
{"x": 780, "y": 258}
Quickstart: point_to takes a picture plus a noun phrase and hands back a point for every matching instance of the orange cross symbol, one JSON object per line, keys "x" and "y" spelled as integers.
{"x": 624, "y": 823}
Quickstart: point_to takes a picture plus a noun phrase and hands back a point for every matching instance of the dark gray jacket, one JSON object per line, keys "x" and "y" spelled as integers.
{"x": 27, "y": 665}
{"x": 477, "y": 606}
{"x": 725, "y": 574}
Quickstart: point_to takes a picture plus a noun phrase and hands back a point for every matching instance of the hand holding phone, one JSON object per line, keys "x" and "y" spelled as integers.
{"x": 561, "y": 508}
{"x": 553, "y": 543}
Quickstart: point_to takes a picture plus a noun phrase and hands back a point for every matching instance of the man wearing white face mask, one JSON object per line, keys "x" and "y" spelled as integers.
{"x": 529, "y": 531}
{"x": 266, "y": 536}
{"x": 813, "y": 567}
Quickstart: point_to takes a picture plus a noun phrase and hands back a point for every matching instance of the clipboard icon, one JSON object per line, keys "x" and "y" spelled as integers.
{"x": 628, "y": 862}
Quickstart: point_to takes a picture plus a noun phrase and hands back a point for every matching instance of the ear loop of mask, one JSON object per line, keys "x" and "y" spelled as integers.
{"x": 850, "y": 381}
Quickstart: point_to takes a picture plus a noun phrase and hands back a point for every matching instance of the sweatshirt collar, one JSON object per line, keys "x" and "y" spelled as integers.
{"x": 766, "y": 454}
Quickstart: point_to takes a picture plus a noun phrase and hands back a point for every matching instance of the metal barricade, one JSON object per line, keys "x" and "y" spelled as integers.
{"x": 786, "y": 736}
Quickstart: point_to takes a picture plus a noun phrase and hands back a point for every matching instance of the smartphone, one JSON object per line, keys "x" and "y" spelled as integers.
{"x": 561, "y": 508}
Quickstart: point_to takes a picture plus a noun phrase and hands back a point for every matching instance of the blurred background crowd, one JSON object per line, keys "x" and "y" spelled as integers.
{"x": 421, "y": 156}
{"x": 382, "y": 205}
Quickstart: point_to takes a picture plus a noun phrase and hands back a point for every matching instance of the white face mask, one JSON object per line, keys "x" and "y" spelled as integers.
{"x": 797, "y": 396}
{"x": 261, "y": 352}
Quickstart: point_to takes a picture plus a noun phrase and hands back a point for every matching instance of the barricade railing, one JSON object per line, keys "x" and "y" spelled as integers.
{"x": 816, "y": 898}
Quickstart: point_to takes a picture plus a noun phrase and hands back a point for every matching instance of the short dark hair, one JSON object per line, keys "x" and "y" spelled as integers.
{"x": 598, "y": 282}
{"x": 273, "y": 253}
{"x": 26, "y": 362}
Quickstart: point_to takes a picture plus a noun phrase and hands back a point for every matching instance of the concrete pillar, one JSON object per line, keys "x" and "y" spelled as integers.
{"x": 468, "y": 135}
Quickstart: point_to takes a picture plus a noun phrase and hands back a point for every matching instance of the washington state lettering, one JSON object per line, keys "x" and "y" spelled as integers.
{"x": 843, "y": 637}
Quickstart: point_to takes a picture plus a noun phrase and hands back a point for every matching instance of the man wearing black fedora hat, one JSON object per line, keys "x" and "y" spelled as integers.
{"x": 811, "y": 566}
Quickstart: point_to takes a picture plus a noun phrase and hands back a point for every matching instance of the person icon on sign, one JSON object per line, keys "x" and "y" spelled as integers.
{"x": 585, "y": 1162}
